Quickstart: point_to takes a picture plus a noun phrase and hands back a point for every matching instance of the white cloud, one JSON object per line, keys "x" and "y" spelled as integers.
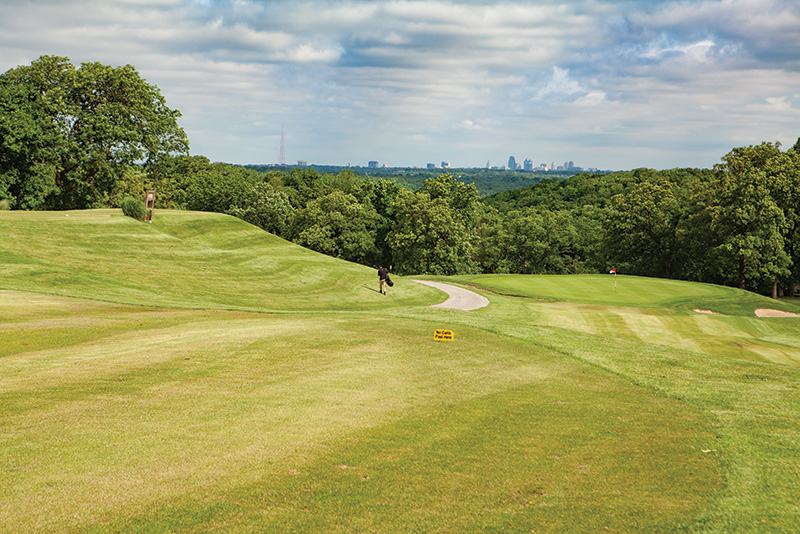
{"x": 591, "y": 99}
{"x": 694, "y": 52}
{"x": 559, "y": 85}
{"x": 394, "y": 80}
{"x": 469, "y": 125}
{"x": 778, "y": 103}
{"x": 306, "y": 53}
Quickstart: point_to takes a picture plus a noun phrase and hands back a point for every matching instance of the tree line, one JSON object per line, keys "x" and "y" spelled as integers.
{"x": 92, "y": 136}
{"x": 736, "y": 224}
{"x": 487, "y": 181}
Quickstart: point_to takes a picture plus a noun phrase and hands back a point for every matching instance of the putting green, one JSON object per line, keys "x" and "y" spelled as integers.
{"x": 632, "y": 291}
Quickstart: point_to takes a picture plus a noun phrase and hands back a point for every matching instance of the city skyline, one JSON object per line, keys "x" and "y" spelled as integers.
{"x": 446, "y": 165}
{"x": 618, "y": 83}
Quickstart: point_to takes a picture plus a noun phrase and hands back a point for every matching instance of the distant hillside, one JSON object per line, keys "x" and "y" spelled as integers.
{"x": 487, "y": 181}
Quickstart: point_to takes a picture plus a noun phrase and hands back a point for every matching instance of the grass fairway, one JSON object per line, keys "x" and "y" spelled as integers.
{"x": 238, "y": 383}
{"x": 633, "y": 291}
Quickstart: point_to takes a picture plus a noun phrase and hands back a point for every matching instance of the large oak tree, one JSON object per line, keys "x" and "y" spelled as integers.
{"x": 748, "y": 223}
{"x": 103, "y": 119}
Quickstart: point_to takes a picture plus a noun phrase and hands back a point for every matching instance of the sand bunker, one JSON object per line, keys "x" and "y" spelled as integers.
{"x": 765, "y": 312}
{"x": 706, "y": 311}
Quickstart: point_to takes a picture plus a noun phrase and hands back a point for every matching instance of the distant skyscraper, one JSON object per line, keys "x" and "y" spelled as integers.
{"x": 512, "y": 163}
{"x": 445, "y": 164}
{"x": 528, "y": 164}
{"x": 431, "y": 166}
{"x": 372, "y": 164}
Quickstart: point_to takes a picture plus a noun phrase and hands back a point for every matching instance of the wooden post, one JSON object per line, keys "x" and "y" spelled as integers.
{"x": 149, "y": 204}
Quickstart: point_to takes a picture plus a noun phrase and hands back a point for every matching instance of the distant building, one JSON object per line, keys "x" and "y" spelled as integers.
{"x": 302, "y": 163}
{"x": 445, "y": 164}
{"x": 431, "y": 166}
{"x": 372, "y": 164}
{"x": 528, "y": 164}
{"x": 512, "y": 163}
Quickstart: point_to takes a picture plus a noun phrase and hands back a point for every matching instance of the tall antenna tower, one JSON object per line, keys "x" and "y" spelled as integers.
{"x": 282, "y": 160}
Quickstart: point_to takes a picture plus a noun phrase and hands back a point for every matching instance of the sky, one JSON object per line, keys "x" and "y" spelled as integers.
{"x": 608, "y": 84}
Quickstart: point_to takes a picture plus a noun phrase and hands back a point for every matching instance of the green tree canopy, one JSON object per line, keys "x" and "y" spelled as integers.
{"x": 267, "y": 208}
{"x": 338, "y": 225}
{"x": 747, "y": 223}
{"x": 435, "y": 228}
{"x": 539, "y": 241}
{"x": 106, "y": 118}
{"x": 28, "y": 142}
{"x": 642, "y": 229}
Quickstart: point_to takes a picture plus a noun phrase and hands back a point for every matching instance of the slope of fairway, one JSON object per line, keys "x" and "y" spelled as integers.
{"x": 186, "y": 259}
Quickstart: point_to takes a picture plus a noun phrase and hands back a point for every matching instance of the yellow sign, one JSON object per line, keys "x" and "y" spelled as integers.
{"x": 443, "y": 335}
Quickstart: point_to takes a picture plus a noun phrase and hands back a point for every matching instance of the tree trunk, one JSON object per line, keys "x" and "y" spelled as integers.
{"x": 774, "y": 290}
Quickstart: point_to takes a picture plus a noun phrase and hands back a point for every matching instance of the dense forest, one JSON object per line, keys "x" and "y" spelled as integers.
{"x": 487, "y": 181}
{"x": 94, "y": 136}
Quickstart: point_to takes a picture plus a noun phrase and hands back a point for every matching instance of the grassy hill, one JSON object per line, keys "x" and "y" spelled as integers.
{"x": 199, "y": 375}
{"x": 184, "y": 259}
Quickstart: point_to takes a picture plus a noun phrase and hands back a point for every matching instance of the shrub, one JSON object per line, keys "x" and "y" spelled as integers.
{"x": 133, "y": 208}
{"x": 5, "y": 204}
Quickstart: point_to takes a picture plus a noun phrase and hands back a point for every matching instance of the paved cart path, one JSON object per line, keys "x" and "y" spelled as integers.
{"x": 459, "y": 298}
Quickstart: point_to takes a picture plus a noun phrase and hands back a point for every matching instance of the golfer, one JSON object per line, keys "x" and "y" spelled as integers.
{"x": 383, "y": 275}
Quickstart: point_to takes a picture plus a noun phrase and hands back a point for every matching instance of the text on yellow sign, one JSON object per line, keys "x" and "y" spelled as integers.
{"x": 443, "y": 335}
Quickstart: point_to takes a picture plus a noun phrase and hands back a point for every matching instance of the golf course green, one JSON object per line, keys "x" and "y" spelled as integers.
{"x": 197, "y": 374}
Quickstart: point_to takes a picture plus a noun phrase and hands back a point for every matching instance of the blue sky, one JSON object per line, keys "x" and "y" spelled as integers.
{"x": 606, "y": 84}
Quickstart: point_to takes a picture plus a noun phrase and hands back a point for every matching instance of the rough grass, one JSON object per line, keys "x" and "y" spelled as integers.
{"x": 216, "y": 407}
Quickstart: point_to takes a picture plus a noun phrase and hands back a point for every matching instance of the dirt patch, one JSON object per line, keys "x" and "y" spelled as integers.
{"x": 766, "y": 312}
{"x": 709, "y": 312}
